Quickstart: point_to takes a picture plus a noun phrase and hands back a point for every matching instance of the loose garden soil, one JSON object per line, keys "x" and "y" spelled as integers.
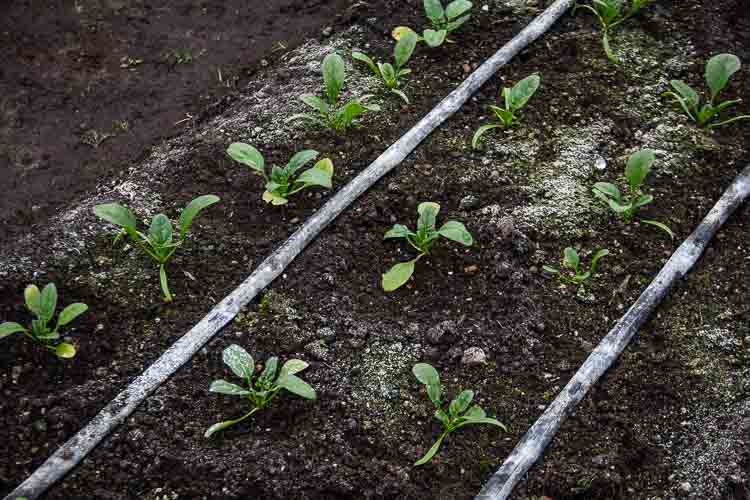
{"x": 672, "y": 419}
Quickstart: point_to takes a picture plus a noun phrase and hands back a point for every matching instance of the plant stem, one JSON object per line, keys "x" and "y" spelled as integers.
{"x": 164, "y": 285}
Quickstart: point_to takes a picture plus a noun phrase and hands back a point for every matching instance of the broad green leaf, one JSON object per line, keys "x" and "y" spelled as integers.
{"x": 659, "y": 225}
{"x": 431, "y": 452}
{"x": 116, "y": 214}
{"x": 457, "y": 8}
{"x": 442, "y": 417}
{"x": 398, "y": 231}
{"x": 160, "y": 231}
{"x": 619, "y": 208}
{"x": 427, "y": 211}
{"x": 398, "y": 275}
{"x": 316, "y": 177}
{"x": 595, "y": 260}
{"x": 326, "y": 165}
{"x": 292, "y": 366}
{"x": 454, "y": 25}
{"x": 48, "y": 302}
{"x": 483, "y": 420}
{"x": 33, "y": 299}
{"x": 435, "y": 392}
{"x": 224, "y": 387}
{"x": 461, "y": 402}
{"x": 274, "y": 198}
{"x": 65, "y": 350}
{"x": 690, "y": 96}
{"x": 70, "y": 313}
{"x": 349, "y": 112}
{"x": 315, "y": 102}
{"x": 269, "y": 371}
{"x": 523, "y": 90}
{"x": 434, "y": 38}
{"x": 456, "y": 231}
{"x": 389, "y": 74}
{"x": 296, "y": 385}
{"x": 400, "y": 31}
{"x": 248, "y": 155}
{"x": 434, "y": 11}
{"x": 192, "y": 209}
{"x": 475, "y": 411}
{"x": 571, "y": 259}
{"x": 426, "y": 374}
{"x": 718, "y": 71}
{"x": 299, "y": 160}
{"x": 239, "y": 361}
{"x": 606, "y": 191}
{"x": 359, "y": 56}
{"x": 9, "y": 328}
{"x": 638, "y": 167}
{"x": 334, "y": 73}
{"x": 404, "y": 48}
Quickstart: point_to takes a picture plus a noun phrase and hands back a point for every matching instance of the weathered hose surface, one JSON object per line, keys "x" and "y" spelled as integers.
{"x": 535, "y": 441}
{"x": 76, "y": 448}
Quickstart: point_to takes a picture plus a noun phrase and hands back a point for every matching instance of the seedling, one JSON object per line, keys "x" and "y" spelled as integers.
{"x": 718, "y": 71}
{"x": 422, "y": 241}
{"x": 626, "y": 205}
{"x": 571, "y": 272}
{"x": 610, "y": 14}
{"x": 390, "y": 74}
{"x": 458, "y": 413}
{"x": 444, "y": 20}
{"x": 159, "y": 243}
{"x": 515, "y": 99}
{"x": 264, "y": 388}
{"x": 42, "y": 305}
{"x": 330, "y": 114}
{"x": 282, "y": 182}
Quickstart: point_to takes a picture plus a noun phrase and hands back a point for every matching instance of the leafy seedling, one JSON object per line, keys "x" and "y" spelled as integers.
{"x": 626, "y": 205}
{"x": 719, "y": 70}
{"x": 611, "y": 13}
{"x": 42, "y": 305}
{"x": 283, "y": 181}
{"x": 159, "y": 243}
{"x": 444, "y": 20}
{"x": 459, "y": 412}
{"x": 391, "y": 73}
{"x": 515, "y": 99}
{"x": 422, "y": 241}
{"x": 571, "y": 271}
{"x": 329, "y": 113}
{"x": 261, "y": 391}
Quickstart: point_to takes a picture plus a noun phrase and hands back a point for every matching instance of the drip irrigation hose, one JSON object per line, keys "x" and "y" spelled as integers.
{"x": 532, "y": 445}
{"x": 76, "y": 448}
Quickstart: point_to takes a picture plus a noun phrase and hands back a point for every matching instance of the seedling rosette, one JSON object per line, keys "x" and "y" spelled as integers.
{"x": 571, "y": 271}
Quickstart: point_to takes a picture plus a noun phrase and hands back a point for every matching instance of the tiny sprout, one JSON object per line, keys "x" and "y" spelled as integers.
{"x": 42, "y": 305}
{"x": 515, "y": 99}
{"x": 389, "y": 73}
{"x": 610, "y": 14}
{"x": 572, "y": 263}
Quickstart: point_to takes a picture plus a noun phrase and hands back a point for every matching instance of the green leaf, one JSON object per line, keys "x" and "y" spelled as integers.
{"x": 269, "y": 371}
{"x": 638, "y": 167}
{"x": 718, "y": 71}
{"x": 224, "y": 387}
{"x": 483, "y": 420}
{"x": 398, "y": 275}
{"x": 70, "y": 313}
{"x": 316, "y": 177}
{"x": 33, "y": 299}
{"x": 431, "y": 452}
{"x": 642, "y": 200}
{"x": 359, "y": 56}
{"x": 297, "y": 386}
{"x": 334, "y": 73}
{"x": 160, "y": 231}
{"x": 690, "y": 96}
{"x": 434, "y": 392}
{"x": 523, "y": 90}
{"x": 248, "y": 155}
{"x": 401, "y": 95}
{"x": 65, "y": 350}
{"x": 315, "y": 102}
{"x": 349, "y": 112}
{"x": 480, "y": 132}
{"x": 442, "y": 417}
{"x": 434, "y": 11}
{"x": 457, "y": 8}
{"x": 595, "y": 260}
{"x": 605, "y": 191}
{"x": 571, "y": 259}
{"x": 117, "y": 215}
{"x": 427, "y": 211}
{"x": 660, "y": 225}
{"x": 434, "y": 38}
{"x": 398, "y": 231}
{"x": 454, "y": 25}
{"x": 389, "y": 74}
{"x": 218, "y": 427}
{"x": 426, "y": 374}
{"x": 506, "y": 116}
{"x": 404, "y": 48}
{"x": 274, "y": 198}
{"x": 292, "y": 366}
{"x": 239, "y": 361}
{"x": 9, "y": 328}
{"x": 299, "y": 160}
{"x": 552, "y": 270}
{"x": 192, "y": 209}
{"x": 456, "y": 231}
{"x": 461, "y": 402}
{"x": 48, "y": 302}
{"x": 474, "y": 412}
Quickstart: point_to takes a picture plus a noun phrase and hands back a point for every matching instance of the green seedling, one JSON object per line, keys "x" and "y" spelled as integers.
{"x": 283, "y": 181}
{"x": 422, "y": 241}
{"x": 261, "y": 391}
{"x": 329, "y": 113}
{"x": 612, "y": 13}
{"x": 515, "y": 99}
{"x": 718, "y": 71}
{"x": 42, "y": 305}
{"x": 391, "y": 73}
{"x": 459, "y": 412}
{"x": 444, "y": 20}
{"x": 571, "y": 271}
{"x": 159, "y": 243}
{"x": 626, "y": 205}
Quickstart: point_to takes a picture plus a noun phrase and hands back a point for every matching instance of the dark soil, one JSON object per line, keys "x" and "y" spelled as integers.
{"x": 371, "y": 420}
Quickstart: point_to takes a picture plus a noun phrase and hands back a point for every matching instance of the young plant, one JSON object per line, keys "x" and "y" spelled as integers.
{"x": 282, "y": 182}
{"x": 575, "y": 275}
{"x": 159, "y": 243}
{"x": 444, "y": 20}
{"x": 626, "y": 205}
{"x": 390, "y": 74}
{"x": 422, "y": 241}
{"x": 718, "y": 71}
{"x": 515, "y": 99}
{"x": 458, "y": 413}
{"x": 610, "y": 14}
{"x": 42, "y": 305}
{"x": 264, "y": 388}
{"x": 330, "y": 114}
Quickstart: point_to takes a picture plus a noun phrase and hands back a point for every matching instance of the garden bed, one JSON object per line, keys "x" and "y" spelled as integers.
{"x": 669, "y": 420}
